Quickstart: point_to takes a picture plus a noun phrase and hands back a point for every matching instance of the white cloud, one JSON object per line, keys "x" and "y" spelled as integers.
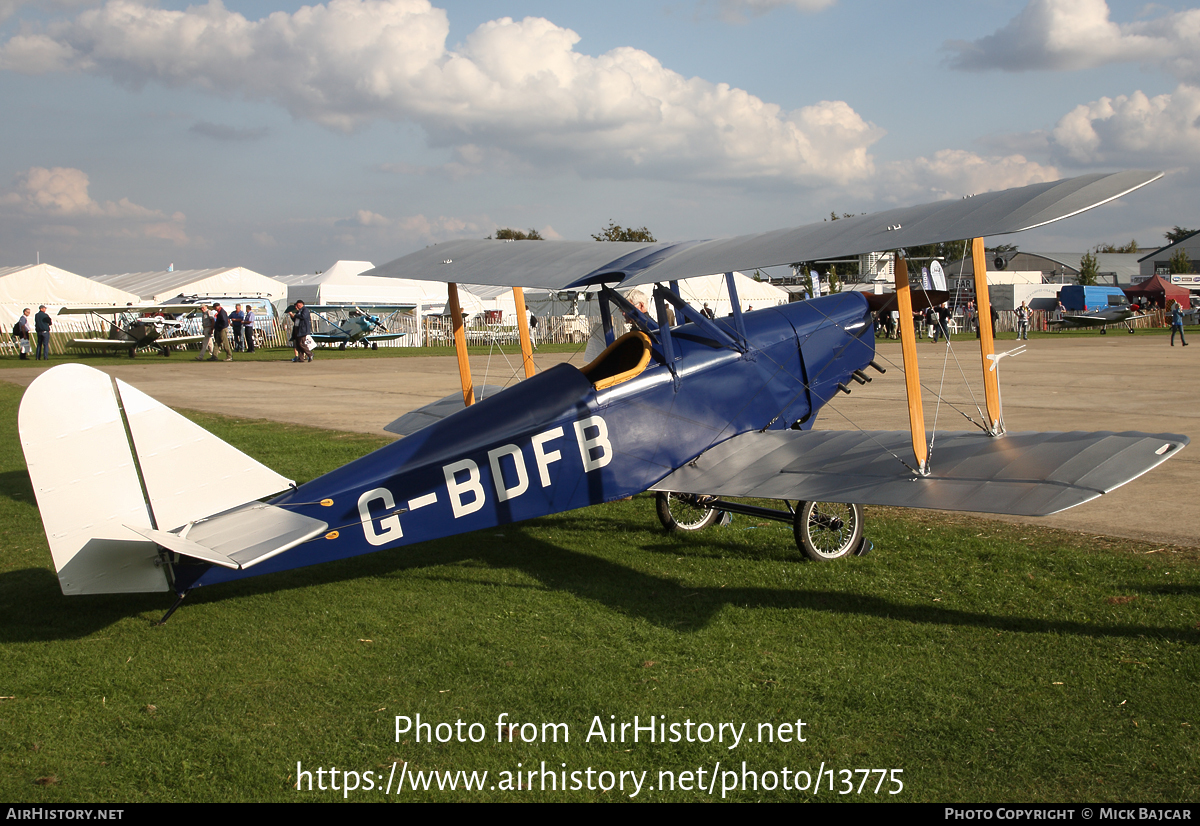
{"x": 1134, "y": 130}
{"x": 1126, "y": 130}
{"x": 514, "y": 87}
{"x": 953, "y": 173}
{"x": 1079, "y": 34}
{"x": 366, "y": 218}
{"x": 59, "y": 198}
{"x": 35, "y": 54}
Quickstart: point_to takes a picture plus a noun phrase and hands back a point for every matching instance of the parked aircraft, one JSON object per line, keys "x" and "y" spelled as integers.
{"x": 130, "y": 328}
{"x": 1101, "y": 319}
{"x": 358, "y": 327}
{"x": 1095, "y": 306}
{"x": 704, "y": 409}
{"x": 1117, "y": 313}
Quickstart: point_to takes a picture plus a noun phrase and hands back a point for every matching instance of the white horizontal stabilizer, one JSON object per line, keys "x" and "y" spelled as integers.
{"x": 242, "y": 537}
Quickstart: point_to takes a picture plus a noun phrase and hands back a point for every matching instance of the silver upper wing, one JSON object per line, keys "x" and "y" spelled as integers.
{"x": 1023, "y": 474}
{"x": 579, "y": 264}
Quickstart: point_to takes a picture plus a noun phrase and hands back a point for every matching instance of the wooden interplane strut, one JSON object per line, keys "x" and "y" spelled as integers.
{"x": 523, "y": 330}
{"x": 460, "y": 347}
{"x": 987, "y": 346}
{"x": 912, "y": 381}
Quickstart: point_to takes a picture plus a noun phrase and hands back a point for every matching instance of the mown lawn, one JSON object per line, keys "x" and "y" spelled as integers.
{"x": 988, "y": 662}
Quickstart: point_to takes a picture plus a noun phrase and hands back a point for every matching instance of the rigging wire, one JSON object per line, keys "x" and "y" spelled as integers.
{"x": 805, "y": 387}
{"x": 951, "y": 353}
{"x": 900, "y": 367}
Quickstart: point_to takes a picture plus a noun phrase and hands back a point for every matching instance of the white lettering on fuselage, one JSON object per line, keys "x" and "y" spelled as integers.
{"x": 390, "y": 524}
{"x": 544, "y": 457}
{"x": 470, "y": 485}
{"x": 503, "y": 493}
{"x": 598, "y": 442}
{"x": 422, "y": 501}
{"x": 510, "y": 477}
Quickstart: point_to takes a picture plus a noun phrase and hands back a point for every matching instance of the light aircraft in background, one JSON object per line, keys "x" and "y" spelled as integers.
{"x": 132, "y": 328}
{"x": 1118, "y": 312}
{"x": 358, "y": 326}
{"x": 699, "y": 411}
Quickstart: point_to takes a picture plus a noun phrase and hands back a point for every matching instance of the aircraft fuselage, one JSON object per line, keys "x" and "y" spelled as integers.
{"x": 554, "y": 443}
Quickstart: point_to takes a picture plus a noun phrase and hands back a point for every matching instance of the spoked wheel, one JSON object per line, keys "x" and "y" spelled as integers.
{"x": 828, "y": 530}
{"x": 685, "y": 511}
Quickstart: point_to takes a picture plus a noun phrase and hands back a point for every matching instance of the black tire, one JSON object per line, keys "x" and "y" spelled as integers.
{"x": 826, "y": 531}
{"x": 684, "y": 511}
{"x": 374, "y": 345}
{"x": 1103, "y": 331}
{"x": 1130, "y": 331}
{"x": 342, "y": 346}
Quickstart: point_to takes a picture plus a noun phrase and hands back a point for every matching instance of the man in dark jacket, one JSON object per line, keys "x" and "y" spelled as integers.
{"x": 221, "y": 333}
{"x": 941, "y": 323}
{"x": 236, "y": 318}
{"x": 42, "y": 323}
{"x": 301, "y": 330}
{"x": 248, "y": 327}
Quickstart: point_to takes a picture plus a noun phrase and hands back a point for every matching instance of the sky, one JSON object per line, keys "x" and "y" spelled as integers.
{"x": 283, "y": 138}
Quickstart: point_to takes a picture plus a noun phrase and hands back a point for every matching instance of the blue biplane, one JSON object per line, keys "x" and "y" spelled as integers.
{"x": 353, "y": 325}
{"x": 698, "y": 411}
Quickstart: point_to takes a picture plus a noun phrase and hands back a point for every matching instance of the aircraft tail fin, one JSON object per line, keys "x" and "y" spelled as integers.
{"x": 108, "y": 464}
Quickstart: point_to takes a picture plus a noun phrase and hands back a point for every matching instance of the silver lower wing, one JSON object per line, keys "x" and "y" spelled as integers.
{"x": 1023, "y": 474}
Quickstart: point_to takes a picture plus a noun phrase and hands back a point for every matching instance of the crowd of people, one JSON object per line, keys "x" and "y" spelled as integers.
{"x": 934, "y": 321}
{"x": 226, "y": 332}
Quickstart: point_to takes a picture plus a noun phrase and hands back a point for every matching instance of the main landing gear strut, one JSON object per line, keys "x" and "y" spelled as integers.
{"x": 824, "y": 531}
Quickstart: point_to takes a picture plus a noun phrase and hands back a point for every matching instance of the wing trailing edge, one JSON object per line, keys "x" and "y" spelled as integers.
{"x": 1021, "y": 474}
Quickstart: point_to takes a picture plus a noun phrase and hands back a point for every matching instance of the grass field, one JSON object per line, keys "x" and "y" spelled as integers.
{"x": 100, "y": 359}
{"x": 987, "y": 662}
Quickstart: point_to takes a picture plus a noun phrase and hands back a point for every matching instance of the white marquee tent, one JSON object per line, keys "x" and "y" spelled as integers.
{"x": 342, "y": 284}
{"x": 221, "y": 282}
{"x": 34, "y": 284}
